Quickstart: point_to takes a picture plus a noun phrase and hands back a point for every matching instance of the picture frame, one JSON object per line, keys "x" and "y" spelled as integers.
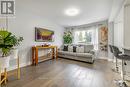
{"x": 44, "y": 35}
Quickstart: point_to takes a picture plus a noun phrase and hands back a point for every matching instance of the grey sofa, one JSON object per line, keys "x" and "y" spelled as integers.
{"x": 87, "y": 56}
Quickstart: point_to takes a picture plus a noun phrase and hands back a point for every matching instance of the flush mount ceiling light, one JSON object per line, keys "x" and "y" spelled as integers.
{"x": 72, "y": 12}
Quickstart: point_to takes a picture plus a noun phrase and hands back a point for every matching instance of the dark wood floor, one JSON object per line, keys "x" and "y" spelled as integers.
{"x": 65, "y": 73}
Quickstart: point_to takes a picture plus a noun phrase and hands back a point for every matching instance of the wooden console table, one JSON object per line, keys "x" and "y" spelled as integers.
{"x": 35, "y": 52}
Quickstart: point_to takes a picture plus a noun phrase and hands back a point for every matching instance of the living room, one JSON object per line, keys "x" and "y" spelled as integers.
{"x": 64, "y": 43}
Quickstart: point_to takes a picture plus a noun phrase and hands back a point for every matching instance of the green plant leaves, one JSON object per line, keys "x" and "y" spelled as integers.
{"x": 5, "y": 51}
{"x": 4, "y": 34}
{"x": 7, "y": 41}
{"x": 67, "y": 38}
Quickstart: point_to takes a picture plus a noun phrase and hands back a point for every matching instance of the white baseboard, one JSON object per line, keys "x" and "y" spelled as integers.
{"x": 21, "y": 65}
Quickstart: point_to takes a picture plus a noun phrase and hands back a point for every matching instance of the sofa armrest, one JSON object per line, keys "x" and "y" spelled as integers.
{"x": 60, "y": 49}
{"x": 92, "y": 52}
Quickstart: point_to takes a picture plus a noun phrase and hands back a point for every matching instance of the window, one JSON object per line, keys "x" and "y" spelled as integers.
{"x": 86, "y": 36}
{"x": 83, "y": 36}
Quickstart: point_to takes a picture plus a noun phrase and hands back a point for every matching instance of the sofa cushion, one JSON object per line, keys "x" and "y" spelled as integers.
{"x": 66, "y": 53}
{"x": 84, "y": 54}
{"x": 80, "y": 49}
{"x": 88, "y": 48}
{"x": 70, "y": 53}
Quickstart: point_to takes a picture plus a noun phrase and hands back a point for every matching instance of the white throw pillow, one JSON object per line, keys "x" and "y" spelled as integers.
{"x": 70, "y": 48}
{"x": 80, "y": 49}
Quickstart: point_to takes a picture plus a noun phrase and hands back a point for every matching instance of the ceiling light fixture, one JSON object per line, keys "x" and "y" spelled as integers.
{"x": 72, "y": 12}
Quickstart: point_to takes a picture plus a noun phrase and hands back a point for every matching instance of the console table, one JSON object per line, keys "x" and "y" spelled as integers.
{"x": 35, "y": 53}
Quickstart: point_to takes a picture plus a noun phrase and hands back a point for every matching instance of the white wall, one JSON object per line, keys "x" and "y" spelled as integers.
{"x": 119, "y": 29}
{"x": 110, "y": 39}
{"x": 24, "y": 25}
{"x": 127, "y": 26}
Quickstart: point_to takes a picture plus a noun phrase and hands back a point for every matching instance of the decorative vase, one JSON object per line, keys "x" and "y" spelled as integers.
{"x": 14, "y": 53}
{"x": 4, "y": 62}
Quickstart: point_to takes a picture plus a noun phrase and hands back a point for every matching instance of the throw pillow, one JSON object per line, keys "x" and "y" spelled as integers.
{"x": 70, "y": 48}
{"x": 65, "y": 48}
{"x": 74, "y": 48}
{"x": 80, "y": 49}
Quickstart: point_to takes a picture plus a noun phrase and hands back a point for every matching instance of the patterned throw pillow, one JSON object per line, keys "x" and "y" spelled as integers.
{"x": 70, "y": 48}
{"x": 74, "y": 48}
{"x": 80, "y": 49}
{"x": 65, "y": 48}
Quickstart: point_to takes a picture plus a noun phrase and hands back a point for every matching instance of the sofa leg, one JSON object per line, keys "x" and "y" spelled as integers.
{"x": 92, "y": 62}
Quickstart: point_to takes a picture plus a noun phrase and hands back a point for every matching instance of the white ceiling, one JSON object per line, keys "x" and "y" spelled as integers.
{"x": 90, "y": 10}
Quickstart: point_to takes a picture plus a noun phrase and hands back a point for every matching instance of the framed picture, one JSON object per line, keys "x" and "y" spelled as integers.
{"x": 44, "y": 35}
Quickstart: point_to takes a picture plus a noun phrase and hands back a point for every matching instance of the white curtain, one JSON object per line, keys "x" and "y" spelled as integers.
{"x": 95, "y": 37}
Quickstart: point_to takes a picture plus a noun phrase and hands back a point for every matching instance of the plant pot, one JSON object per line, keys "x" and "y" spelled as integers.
{"x": 4, "y": 62}
{"x": 14, "y": 53}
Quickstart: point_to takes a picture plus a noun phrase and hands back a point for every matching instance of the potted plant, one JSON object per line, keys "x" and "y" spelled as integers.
{"x": 7, "y": 42}
{"x": 14, "y": 50}
{"x": 67, "y": 37}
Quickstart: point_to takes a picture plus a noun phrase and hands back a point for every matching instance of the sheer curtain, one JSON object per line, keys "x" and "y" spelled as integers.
{"x": 95, "y": 37}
